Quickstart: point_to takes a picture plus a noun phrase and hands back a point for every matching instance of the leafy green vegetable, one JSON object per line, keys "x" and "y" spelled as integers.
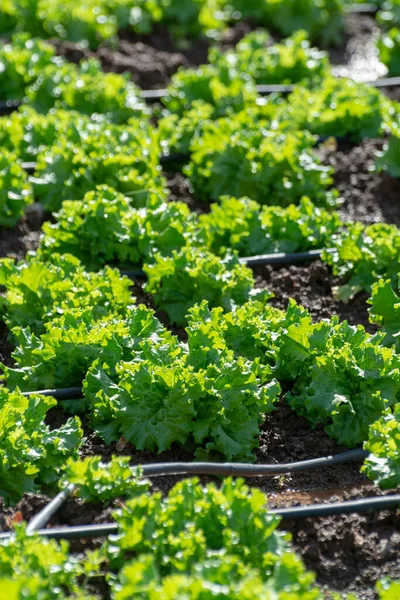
{"x": 40, "y": 567}
{"x": 97, "y": 481}
{"x": 203, "y": 538}
{"x": 242, "y": 159}
{"x": 337, "y": 107}
{"x": 185, "y": 278}
{"x": 86, "y": 89}
{"x": 123, "y": 157}
{"x": 388, "y": 590}
{"x": 343, "y": 377}
{"x": 288, "y": 62}
{"x": 383, "y": 462}
{"x": 103, "y": 228}
{"x": 15, "y": 189}
{"x": 322, "y": 19}
{"x": 244, "y": 226}
{"x": 37, "y": 292}
{"x": 21, "y": 62}
{"x": 364, "y": 254}
{"x": 222, "y": 88}
{"x": 62, "y": 355}
{"x": 31, "y": 454}
{"x": 154, "y": 402}
{"x": 385, "y": 310}
{"x": 228, "y": 577}
{"x": 389, "y": 51}
{"x": 388, "y": 160}
{"x": 28, "y": 133}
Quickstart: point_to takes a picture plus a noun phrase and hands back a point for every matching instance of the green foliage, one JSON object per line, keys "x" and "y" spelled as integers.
{"x": 364, "y": 254}
{"x": 15, "y": 189}
{"x": 383, "y": 462}
{"x": 389, "y": 51}
{"x": 186, "y": 278}
{"x": 222, "y": 88}
{"x": 28, "y": 133}
{"x": 244, "y": 226}
{"x": 288, "y": 62}
{"x": 388, "y": 590}
{"x": 123, "y": 157}
{"x": 71, "y": 343}
{"x": 385, "y": 310}
{"x": 202, "y": 538}
{"x": 174, "y": 396}
{"x": 103, "y": 228}
{"x": 389, "y": 160}
{"x": 97, "y": 481}
{"x": 37, "y": 292}
{"x": 337, "y": 107}
{"x": 343, "y": 377}
{"x": 31, "y": 453}
{"x": 86, "y": 89}
{"x": 227, "y": 577}
{"x": 322, "y": 19}
{"x": 389, "y": 15}
{"x": 271, "y": 167}
{"x": 21, "y": 62}
{"x": 40, "y": 568}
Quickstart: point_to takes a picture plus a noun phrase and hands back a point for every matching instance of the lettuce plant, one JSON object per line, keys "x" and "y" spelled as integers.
{"x": 97, "y": 481}
{"x": 362, "y": 256}
{"x": 37, "y": 292}
{"x": 15, "y": 189}
{"x": 86, "y": 89}
{"x": 245, "y": 226}
{"x": 288, "y": 62}
{"x": 123, "y": 157}
{"x": 179, "y": 281}
{"x": 270, "y": 167}
{"x": 31, "y": 453}
{"x": 207, "y": 539}
{"x": 21, "y": 62}
{"x": 383, "y": 444}
{"x": 389, "y": 51}
{"x": 337, "y": 107}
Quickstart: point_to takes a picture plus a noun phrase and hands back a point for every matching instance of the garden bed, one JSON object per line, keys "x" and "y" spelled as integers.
{"x": 348, "y": 553}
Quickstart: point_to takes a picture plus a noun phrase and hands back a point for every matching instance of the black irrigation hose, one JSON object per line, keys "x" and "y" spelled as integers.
{"x": 43, "y": 517}
{"x": 7, "y": 107}
{"x": 262, "y": 260}
{"x": 376, "y": 504}
{"x": 71, "y": 393}
{"x": 219, "y": 469}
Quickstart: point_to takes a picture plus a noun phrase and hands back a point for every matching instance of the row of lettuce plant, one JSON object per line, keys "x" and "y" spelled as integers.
{"x": 192, "y": 542}
{"x": 238, "y": 144}
{"x": 97, "y": 21}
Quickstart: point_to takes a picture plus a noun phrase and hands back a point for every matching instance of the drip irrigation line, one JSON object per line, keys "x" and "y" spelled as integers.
{"x": 219, "y": 469}
{"x": 261, "y": 260}
{"x": 375, "y": 504}
{"x": 150, "y": 96}
{"x": 43, "y": 517}
{"x": 71, "y": 393}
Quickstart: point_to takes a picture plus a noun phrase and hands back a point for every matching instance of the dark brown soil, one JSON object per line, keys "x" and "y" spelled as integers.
{"x": 368, "y": 196}
{"x": 180, "y": 189}
{"x": 15, "y": 243}
{"x": 5, "y": 346}
{"x": 350, "y": 553}
{"x": 311, "y": 286}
